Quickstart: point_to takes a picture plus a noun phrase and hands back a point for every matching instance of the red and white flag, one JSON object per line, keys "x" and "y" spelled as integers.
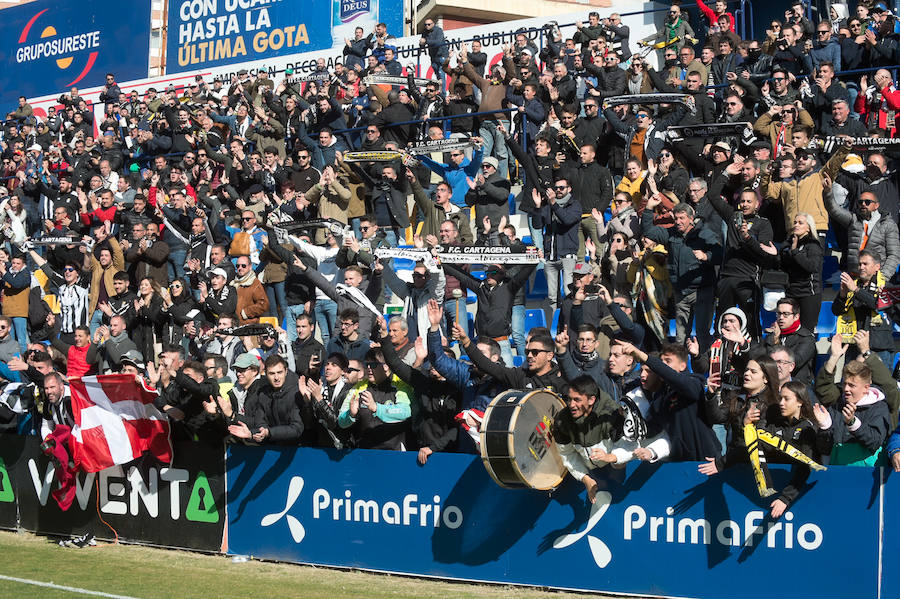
{"x": 116, "y": 422}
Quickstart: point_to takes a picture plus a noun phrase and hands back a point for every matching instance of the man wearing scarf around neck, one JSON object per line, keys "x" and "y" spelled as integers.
{"x": 787, "y": 332}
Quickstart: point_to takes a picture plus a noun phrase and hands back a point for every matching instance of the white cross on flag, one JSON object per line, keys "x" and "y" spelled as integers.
{"x": 116, "y": 422}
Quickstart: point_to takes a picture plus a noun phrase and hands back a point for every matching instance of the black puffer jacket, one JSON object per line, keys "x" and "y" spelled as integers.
{"x": 803, "y": 266}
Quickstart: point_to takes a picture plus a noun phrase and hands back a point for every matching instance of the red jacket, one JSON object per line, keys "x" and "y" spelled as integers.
{"x": 875, "y": 113}
{"x": 99, "y": 216}
{"x": 712, "y": 17}
{"x": 77, "y": 362}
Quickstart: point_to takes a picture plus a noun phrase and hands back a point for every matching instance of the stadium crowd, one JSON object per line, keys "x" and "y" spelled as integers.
{"x": 691, "y": 265}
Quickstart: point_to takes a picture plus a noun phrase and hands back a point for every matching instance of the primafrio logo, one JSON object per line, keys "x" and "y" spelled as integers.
{"x": 50, "y": 44}
{"x": 638, "y": 526}
{"x": 343, "y": 507}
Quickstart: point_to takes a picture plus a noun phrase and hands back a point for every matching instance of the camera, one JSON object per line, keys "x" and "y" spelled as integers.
{"x": 781, "y": 43}
{"x": 739, "y": 219}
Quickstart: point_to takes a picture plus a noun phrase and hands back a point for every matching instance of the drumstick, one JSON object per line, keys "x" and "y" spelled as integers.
{"x": 457, "y": 295}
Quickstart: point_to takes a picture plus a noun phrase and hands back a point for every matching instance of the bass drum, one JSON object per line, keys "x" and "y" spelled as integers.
{"x": 517, "y": 447}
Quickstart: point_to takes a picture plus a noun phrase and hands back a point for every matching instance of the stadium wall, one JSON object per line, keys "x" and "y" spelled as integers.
{"x": 656, "y": 529}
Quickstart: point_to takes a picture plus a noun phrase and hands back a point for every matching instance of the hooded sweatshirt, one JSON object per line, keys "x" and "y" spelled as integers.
{"x": 860, "y": 442}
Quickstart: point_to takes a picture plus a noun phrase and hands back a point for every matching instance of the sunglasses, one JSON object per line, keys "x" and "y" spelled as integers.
{"x": 175, "y": 286}
{"x": 245, "y": 218}
{"x": 374, "y": 365}
{"x": 242, "y": 266}
{"x": 641, "y": 115}
{"x": 69, "y": 269}
{"x": 778, "y": 79}
{"x": 354, "y": 370}
{"x": 664, "y": 154}
{"x": 534, "y": 352}
{"x": 560, "y": 187}
{"x": 867, "y": 202}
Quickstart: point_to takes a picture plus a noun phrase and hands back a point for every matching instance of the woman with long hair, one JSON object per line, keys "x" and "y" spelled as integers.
{"x": 792, "y": 422}
{"x": 12, "y": 219}
{"x": 802, "y": 258}
{"x": 179, "y": 309}
{"x": 756, "y": 401}
{"x": 149, "y": 320}
{"x": 670, "y": 173}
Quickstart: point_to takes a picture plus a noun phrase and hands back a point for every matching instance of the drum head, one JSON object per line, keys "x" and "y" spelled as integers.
{"x": 532, "y": 459}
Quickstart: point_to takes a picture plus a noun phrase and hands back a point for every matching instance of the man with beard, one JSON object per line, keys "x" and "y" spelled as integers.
{"x": 757, "y": 66}
{"x": 325, "y": 398}
{"x": 867, "y": 229}
{"x": 438, "y": 399}
{"x": 274, "y": 418}
{"x": 378, "y": 410}
{"x": 477, "y": 388}
{"x": 308, "y": 352}
{"x": 110, "y": 345}
{"x": 538, "y": 372}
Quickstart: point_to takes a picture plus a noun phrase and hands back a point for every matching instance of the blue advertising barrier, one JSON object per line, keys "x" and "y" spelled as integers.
{"x": 209, "y": 33}
{"x": 48, "y": 46}
{"x": 890, "y": 506}
{"x": 654, "y": 530}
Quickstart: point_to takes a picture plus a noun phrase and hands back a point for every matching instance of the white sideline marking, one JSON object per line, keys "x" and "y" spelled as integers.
{"x": 60, "y": 587}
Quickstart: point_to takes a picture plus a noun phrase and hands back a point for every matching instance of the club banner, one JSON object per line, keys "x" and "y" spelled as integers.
{"x": 49, "y": 46}
{"x": 830, "y": 143}
{"x": 397, "y": 80}
{"x": 655, "y": 529}
{"x": 211, "y": 33}
{"x": 706, "y": 130}
{"x": 144, "y": 501}
{"x": 451, "y": 254}
{"x": 647, "y": 99}
{"x": 373, "y": 156}
{"x": 54, "y": 241}
{"x": 441, "y": 145}
{"x": 489, "y": 254}
{"x": 416, "y": 255}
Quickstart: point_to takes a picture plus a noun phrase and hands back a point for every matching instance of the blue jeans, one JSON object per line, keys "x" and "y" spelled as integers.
{"x": 275, "y": 293}
{"x": 552, "y": 269}
{"x": 495, "y": 145}
{"x": 506, "y": 352}
{"x": 390, "y": 235}
{"x": 290, "y": 316}
{"x": 96, "y": 321}
{"x": 20, "y": 330}
{"x": 518, "y": 328}
{"x": 176, "y": 263}
{"x": 537, "y": 234}
{"x": 326, "y": 318}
